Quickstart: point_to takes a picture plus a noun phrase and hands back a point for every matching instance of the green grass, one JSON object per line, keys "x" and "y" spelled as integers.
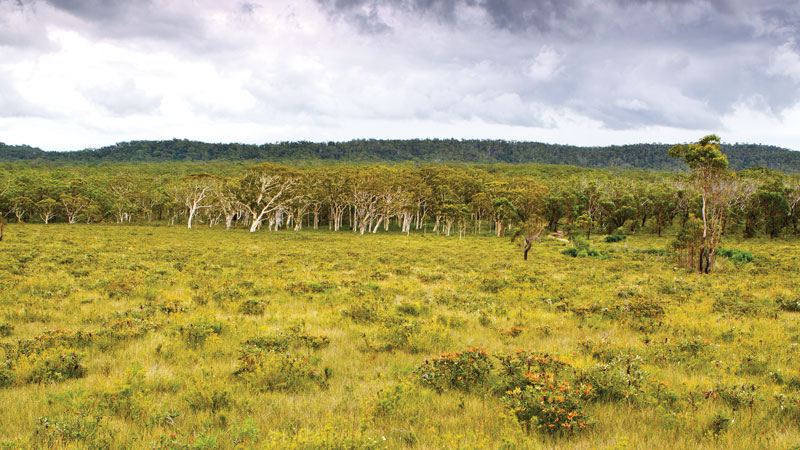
{"x": 224, "y": 339}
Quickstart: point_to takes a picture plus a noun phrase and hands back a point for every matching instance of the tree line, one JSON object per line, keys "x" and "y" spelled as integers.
{"x": 637, "y": 156}
{"x": 451, "y": 200}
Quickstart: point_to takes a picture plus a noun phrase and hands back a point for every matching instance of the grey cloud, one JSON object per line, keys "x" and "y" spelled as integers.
{"x": 19, "y": 30}
{"x": 98, "y": 10}
{"x": 720, "y": 49}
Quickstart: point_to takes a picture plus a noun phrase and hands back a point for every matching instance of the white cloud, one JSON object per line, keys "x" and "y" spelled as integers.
{"x": 786, "y": 61}
{"x": 545, "y": 66}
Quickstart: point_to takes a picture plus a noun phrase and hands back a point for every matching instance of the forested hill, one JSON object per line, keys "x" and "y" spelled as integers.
{"x": 641, "y": 156}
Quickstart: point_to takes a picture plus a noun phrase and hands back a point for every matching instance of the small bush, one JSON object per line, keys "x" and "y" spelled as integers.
{"x": 549, "y": 405}
{"x": 6, "y": 329}
{"x": 282, "y": 340}
{"x": 196, "y": 332}
{"x": 208, "y": 394}
{"x": 54, "y": 364}
{"x": 739, "y": 257}
{"x": 270, "y": 371}
{"x": 80, "y": 427}
{"x": 786, "y": 303}
{"x": 252, "y": 307}
{"x": 615, "y": 238}
{"x": 464, "y": 371}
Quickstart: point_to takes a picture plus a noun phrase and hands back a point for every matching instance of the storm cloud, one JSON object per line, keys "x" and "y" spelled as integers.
{"x": 569, "y": 71}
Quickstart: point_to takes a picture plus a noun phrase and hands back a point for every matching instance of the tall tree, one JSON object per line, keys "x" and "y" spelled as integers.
{"x": 709, "y": 168}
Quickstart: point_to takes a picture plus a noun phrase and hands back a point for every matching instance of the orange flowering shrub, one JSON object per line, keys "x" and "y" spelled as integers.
{"x": 519, "y": 368}
{"x": 549, "y": 405}
{"x": 457, "y": 370}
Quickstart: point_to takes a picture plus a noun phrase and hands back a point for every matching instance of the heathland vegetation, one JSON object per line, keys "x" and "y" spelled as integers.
{"x": 239, "y": 305}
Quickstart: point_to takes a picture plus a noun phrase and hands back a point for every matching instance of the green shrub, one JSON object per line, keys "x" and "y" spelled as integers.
{"x": 282, "y": 340}
{"x": 77, "y": 426}
{"x": 270, "y": 371}
{"x": 129, "y": 398}
{"x": 206, "y": 393}
{"x": 549, "y": 405}
{"x": 466, "y": 371}
{"x": 252, "y": 307}
{"x": 517, "y": 368}
{"x": 6, "y": 329}
{"x": 615, "y": 238}
{"x": 197, "y": 331}
{"x": 53, "y": 364}
{"x": 739, "y": 257}
{"x": 572, "y": 251}
{"x": 791, "y": 304}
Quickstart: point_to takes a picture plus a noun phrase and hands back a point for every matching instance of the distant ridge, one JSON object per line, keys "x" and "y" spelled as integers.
{"x": 635, "y": 156}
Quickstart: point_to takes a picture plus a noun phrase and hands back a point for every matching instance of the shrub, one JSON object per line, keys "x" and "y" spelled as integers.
{"x": 280, "y": 340}
{"x": 494, "y": 284}
{"x": 252, "y": 307}
{"x": 734, "y": 303}
{"x": 517, "y": 369}
{"x": 549, "y": 405}
{"x": 615, "y": 238}
{"x": 54, "y": 364}
{"x": 301, "y": 287}
{"x": 196, "y": 332}
{"x": 270, "y": 371}
{"x": 364, "y": 312}
{"x": 7, "y": 376}
{"x": 6, "y": 329}
{"x": 739, "y": 257}
{"x": 572, "y": 251}
{"x": 128, "y": 398}
{"x": 208, "y": 394}
{"x": 718, "y": 425}
{"x": 413, "y": 336}
{"x": 788, "y": 304}
{"x": 464, "y": 371}
{"x": 391, "y": 399}
{"x": 55, "y": 432}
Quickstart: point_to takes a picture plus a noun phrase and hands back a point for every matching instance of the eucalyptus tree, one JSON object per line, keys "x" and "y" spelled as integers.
{"x": 264, "y": 191}
{"x": 224, "y": 198}
{"x": 710, "y": 175}
{"x": 196, "y": 193}
{"x": 662, "y": 197}
{"x": 122, "y": 189}
{"x": 334, "y": 189}
{"x": 793, "y": 199}
{"x": 588, "y": 195}
{"x": 46, "y": 209}
{"x": 21, "y": 205}
{"x": 365, "y": 190}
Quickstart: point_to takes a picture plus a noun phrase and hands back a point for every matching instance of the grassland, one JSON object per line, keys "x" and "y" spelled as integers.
{"x": 159, "y": 337}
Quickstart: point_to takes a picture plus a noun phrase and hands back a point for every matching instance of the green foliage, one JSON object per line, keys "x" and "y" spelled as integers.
{"x": 271, "y": 371}
{"x": 645, "y": 156}
{"x": 548, "y": 405}
{"x": 252, "y": 307}
{"x": 75, "y": 427}
{"x": 54, "y": 364}
{"x": 739, "y": 257}
{"x": 199, "y": 329}
{"x": 615, "y": 238}
{"x": 466, "y": 371}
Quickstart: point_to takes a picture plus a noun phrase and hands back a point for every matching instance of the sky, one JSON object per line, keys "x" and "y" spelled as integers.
{"x": 88, "y": 73}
